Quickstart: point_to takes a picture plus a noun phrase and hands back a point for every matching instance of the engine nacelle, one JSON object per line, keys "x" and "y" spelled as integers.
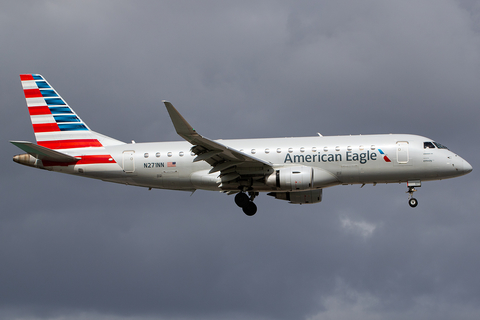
{"x": 301, "y": 178}
{"x": 300, "y": 197}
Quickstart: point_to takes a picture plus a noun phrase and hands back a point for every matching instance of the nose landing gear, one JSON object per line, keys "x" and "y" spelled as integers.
{"x": 245, "y": 202}
{"x": 411, "y": 200}
{"x": 411, "y": 184}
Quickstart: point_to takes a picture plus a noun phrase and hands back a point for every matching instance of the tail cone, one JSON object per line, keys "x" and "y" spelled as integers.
{"x": 25, "y": 159}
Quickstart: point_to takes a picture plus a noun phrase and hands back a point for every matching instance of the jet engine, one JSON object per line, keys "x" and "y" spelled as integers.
{"x": 300, "y": 178}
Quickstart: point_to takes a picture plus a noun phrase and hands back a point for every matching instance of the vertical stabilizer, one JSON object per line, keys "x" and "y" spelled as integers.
{"x": 55, "y": 124}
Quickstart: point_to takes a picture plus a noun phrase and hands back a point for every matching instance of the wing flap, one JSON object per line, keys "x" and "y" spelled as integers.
{"x": 207, "y": 155}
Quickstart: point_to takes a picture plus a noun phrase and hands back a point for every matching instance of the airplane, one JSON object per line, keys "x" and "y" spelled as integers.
{"x": 292, "y": 169}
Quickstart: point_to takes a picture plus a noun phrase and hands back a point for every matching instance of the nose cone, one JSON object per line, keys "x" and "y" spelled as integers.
{"x": 467, "y": 168}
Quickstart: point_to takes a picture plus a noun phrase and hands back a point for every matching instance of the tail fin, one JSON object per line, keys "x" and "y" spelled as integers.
{"x": 55, "y": 124}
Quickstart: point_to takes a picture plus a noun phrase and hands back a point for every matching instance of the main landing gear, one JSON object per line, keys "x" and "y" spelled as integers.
{"x": 411, "y": 200}
{"x": 245, "y": 202}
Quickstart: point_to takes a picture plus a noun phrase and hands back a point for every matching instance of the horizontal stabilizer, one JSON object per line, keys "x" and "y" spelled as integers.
{"x": 43, "y": 153}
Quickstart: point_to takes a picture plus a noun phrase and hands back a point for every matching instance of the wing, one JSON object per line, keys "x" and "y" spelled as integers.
{"x": 232, "y": 164}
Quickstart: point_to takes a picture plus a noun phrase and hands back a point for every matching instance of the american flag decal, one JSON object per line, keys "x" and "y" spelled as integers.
{"x": 171, "y": 164}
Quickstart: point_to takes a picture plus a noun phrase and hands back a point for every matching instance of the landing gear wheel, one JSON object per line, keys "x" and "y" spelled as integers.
{"x": 413, "y": 202}
{"x": 241, "y": 199}
{"x": 245, "y": 202}
{"x": 250, "y": 209}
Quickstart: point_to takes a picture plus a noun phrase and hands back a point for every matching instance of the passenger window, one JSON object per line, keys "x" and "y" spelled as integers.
{"x": 372, "y": 147}
{"x": 290, "y": 150}
{"x": 428, "y": 145}
{"x": 302, "y": 149}
{"x": 253, "y": 151}
{"x": 314, "y": 149}
{"x": 267, "y": 150}
{"x": 169, "y": 154}
{"x": 279, "y": 150}
{"x": 157, "y": 154}
{"x": 337, "y": 148}
{"x": 349, "y": 148}
{"x": 361, "y": 147}
{"x": 146, "y": 155}
{"x": 181, "y": 154}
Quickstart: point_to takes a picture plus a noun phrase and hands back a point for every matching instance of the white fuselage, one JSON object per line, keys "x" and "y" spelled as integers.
{"x": 359, "y": 159}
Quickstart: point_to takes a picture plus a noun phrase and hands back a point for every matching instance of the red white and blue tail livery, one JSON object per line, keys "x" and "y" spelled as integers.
{"x": 58, "y": 128}
{"x": 293, "y": 169}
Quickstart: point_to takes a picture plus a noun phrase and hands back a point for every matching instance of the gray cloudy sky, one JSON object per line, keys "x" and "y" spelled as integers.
{"x": 84, "y": 249}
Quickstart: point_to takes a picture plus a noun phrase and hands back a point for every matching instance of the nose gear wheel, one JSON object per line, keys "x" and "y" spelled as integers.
{"x": 411, "y": 200}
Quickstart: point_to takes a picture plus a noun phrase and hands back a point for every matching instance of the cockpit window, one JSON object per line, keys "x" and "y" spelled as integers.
{"x": 428, "y": 145}
{"x": 439, "y": 146}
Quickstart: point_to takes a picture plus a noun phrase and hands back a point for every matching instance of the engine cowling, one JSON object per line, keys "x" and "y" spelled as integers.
{"x": 299, "y": 197}
{"x": 301, "y": 178}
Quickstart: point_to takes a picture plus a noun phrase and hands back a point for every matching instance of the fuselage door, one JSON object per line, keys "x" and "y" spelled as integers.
{"x": 128, "y": 161}
{"x": 402, "y": 152}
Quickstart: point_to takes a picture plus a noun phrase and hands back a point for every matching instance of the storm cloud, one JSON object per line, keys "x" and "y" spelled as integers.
{"x": 85, "y": 249}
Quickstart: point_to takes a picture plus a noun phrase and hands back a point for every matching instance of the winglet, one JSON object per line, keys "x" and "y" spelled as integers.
{"x": 219, "y": 156}
{"x": 183, "y": 128}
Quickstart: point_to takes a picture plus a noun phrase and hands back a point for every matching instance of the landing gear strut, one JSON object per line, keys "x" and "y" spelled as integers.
{"x": 411, "y": 200}
{"x": 245, "y": 202}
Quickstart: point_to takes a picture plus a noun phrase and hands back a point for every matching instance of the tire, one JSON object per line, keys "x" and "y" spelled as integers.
{"x": 413, "y": 202}
{"x": 250, "y": 209}
{"x": 241, "y": 199}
